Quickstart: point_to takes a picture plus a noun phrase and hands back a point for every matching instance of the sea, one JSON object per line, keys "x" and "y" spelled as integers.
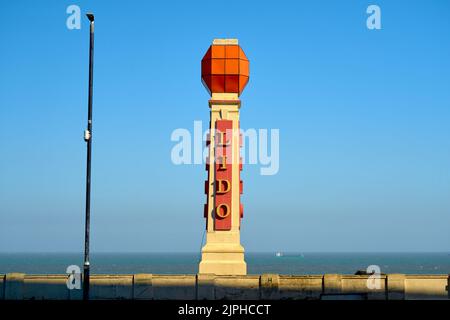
{"x": 257, "y": 263}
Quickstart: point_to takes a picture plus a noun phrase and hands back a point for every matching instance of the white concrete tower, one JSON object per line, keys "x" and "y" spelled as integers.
{"x": 225, "y": 72}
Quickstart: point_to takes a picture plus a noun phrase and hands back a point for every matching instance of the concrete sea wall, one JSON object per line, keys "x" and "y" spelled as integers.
{"x": 19, "y": 286}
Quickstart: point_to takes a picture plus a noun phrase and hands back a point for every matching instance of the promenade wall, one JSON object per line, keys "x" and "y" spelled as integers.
{"x": 19, "y": 286}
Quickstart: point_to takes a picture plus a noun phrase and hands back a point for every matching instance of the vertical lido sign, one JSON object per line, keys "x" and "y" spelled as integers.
{"x": 223, "y": 173}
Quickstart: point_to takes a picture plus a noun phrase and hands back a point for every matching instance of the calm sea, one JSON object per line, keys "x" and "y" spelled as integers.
{"x": 257, "y": 263}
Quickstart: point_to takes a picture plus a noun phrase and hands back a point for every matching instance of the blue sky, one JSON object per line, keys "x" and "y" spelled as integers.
{"x": 363, "y": 118}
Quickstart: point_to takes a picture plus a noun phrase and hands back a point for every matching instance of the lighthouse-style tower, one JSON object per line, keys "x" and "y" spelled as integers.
{"x": 225, "y": 73}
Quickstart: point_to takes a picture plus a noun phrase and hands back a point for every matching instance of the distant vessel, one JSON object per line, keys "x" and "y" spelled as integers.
{"x": 281, "y": 254}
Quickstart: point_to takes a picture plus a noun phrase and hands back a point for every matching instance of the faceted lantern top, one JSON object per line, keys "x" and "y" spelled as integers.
{"x": 225, "y": 68}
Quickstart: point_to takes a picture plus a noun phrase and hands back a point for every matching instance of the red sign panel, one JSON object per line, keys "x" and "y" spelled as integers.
{"x": 223, "y": 174}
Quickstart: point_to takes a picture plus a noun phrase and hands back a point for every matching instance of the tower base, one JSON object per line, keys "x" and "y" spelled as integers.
{"x": 223, "y": 259}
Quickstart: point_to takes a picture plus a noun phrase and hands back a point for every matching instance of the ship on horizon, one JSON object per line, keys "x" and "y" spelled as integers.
{"x": 281, "y": 254}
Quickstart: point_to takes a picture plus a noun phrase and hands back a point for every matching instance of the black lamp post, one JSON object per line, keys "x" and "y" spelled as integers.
{"x": 88, "y": 139}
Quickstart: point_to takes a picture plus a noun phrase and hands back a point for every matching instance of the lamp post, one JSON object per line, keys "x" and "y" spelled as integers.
{"x": 88, "y": 139}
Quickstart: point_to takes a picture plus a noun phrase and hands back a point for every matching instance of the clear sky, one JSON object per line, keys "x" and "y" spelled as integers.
{"x": 364, "y": 120}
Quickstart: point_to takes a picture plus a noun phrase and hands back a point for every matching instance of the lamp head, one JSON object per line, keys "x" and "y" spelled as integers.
{"x": 90, "y": 16}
